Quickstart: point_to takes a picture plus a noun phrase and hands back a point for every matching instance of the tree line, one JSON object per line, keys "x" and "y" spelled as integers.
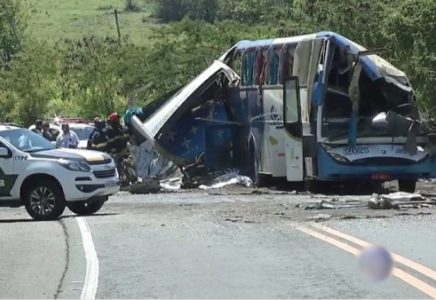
{"x": 94, "y": 76}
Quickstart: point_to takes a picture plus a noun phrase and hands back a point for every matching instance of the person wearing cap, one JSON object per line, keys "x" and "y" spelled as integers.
{"x": 98, "y": 139}
{"x": 117, "y": 134}
{"x": 68, "y": 139}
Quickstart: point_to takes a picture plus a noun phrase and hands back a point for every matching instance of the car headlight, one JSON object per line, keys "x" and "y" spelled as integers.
{"x": 75, "y": 166}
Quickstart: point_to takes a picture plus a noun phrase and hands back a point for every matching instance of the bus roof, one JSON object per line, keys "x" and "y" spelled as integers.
{"x": 342, "y": 41}
{"x": 374, "y": 65}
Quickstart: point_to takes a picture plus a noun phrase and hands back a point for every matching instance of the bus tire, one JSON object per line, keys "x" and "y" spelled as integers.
{"x": 313, "y": 186}
{"x": 407, "y": 186}
{"x": 253, "y": 167}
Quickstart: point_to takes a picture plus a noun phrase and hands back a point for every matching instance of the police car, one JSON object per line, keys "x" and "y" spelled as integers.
{"x": 44, "y": 179}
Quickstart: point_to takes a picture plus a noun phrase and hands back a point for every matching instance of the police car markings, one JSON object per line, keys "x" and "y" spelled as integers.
{"x": 406, "y": 277}
{"x": 6, "y": 183}
{"x": 20, "y": 157}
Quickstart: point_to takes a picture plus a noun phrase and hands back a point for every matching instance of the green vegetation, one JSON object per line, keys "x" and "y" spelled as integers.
{"x": 60, "y": 58}
{"x": 56, "y": 19}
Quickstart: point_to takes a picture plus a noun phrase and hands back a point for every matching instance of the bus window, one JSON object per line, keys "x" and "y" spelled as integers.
{"x": 288, "y": 61}
{"x": 274, "y": 67}
{"x": 244, "y": 69}
{"x": 248, "y": 59}
{"x": 260, "y": 67}
{"x": 237, "y": 63}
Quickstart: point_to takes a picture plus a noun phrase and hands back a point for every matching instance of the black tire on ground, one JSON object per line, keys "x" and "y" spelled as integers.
{"x": 314, "y": 186}
{"x": 44, "y": 200}
{"x": 85, "y": 208}
{"x": 254, "y": 168}
{"x": 407, "y": 186}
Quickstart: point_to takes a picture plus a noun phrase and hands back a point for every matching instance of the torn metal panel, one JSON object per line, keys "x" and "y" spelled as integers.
{"x": 176, "y": 129}
{"x": 375, "y": 66}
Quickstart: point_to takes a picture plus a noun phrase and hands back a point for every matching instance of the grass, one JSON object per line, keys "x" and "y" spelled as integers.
{"x": 52, "y": 20}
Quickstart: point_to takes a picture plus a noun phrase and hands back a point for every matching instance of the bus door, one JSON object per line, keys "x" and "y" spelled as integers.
{"x": 306, "y": 65}
{"x": 293, "y": 129}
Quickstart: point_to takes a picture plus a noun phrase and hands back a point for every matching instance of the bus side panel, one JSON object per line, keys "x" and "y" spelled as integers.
{"x": 249, "y": 113}
{"x": 273, "y": 134}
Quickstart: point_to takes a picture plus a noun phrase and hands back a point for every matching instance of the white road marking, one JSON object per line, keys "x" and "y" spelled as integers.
{"x": 91, "y": 279}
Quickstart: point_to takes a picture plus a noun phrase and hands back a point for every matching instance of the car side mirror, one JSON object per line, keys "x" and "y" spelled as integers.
{"x": 5, "y": 153}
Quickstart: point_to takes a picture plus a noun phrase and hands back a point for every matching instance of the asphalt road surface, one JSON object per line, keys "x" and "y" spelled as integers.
{"x": 227, "y": 245}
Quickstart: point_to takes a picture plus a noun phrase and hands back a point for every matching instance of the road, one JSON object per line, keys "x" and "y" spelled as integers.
{"x": 195, "y": 245}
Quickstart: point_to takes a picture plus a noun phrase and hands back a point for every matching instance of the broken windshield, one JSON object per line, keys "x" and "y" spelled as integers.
{"x": 376, "y": 97}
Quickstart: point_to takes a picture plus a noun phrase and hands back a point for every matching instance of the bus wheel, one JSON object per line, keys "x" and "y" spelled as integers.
{"x": 407, "y": 186}
{"x": 254, "y": 175}
{"x": 314, "y": 186}
{"x": 253, "y": 167}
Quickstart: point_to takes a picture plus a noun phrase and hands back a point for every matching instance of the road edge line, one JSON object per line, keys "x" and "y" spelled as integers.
{"x": 426, "y": 271}
{"x": 90, "y": 285}
{"x": 400, "y": 274}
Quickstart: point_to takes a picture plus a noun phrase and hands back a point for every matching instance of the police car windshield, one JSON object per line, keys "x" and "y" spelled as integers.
{"x": 83, "y": 133}
{"x": 26, "y": 140}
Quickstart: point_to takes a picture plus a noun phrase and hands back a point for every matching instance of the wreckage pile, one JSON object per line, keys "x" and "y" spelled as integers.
{"x": 158, "y": 174}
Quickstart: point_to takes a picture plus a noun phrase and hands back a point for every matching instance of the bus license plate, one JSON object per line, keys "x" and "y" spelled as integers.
{"x": 380, "y": 176}
{"x": 111, "y": 183}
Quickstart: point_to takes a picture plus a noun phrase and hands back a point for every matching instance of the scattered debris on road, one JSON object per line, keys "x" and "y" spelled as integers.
{"x": 399, "y": 200}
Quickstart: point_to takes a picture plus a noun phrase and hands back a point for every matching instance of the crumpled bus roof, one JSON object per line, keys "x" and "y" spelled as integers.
{"x": 373, "y": 65}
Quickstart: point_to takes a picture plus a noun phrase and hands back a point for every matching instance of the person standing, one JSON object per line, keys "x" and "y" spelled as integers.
{"x": 98, "y": 139}
{"x": 38, "y": 127}
{"x": 45, "y": 133}
{"x": 68, "y": 139}
{"x": 118, "y": 135}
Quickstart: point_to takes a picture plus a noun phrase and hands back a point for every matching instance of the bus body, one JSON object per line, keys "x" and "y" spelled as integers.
{"x": 312, "y": 107}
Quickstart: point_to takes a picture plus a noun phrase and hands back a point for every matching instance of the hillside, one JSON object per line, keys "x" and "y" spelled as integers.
{"x": 96, "y": 76}
{"x": 55, "y": 19}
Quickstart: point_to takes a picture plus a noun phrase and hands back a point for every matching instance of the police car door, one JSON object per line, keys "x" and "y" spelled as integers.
{"x": 7, "y": 177}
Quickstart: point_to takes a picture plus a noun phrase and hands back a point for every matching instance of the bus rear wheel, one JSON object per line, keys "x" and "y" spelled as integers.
{"x": 407, "y": 186}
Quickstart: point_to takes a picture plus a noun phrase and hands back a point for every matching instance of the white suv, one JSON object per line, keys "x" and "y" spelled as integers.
{"x": 45, "y": 180}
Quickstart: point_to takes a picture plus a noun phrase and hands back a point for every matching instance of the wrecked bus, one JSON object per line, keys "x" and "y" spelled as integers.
{"x": 314, "y": 108}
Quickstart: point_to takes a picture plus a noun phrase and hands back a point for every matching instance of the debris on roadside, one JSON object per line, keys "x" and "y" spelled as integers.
{"x": 323, "y": 204}
{"x": 399, "y": 200}
{"x": 229, "y": 178}
{"x": 320, "y": 217}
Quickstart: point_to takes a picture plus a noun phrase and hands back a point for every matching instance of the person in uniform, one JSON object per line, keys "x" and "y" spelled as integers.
{"x": 117, "y": 134}
{"x": 98, "y": 139}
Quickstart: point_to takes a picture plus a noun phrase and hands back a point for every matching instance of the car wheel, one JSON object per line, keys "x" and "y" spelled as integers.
{"x": 44, "y": 201}
{"x": 85, "y": 208}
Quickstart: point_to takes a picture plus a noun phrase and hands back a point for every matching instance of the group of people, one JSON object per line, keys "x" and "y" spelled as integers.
{"x": 68, "y": 139}
{"x": 108, "y": 136}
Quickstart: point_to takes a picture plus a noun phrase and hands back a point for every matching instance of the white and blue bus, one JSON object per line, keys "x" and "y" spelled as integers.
{"x": 314, "y": 108}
